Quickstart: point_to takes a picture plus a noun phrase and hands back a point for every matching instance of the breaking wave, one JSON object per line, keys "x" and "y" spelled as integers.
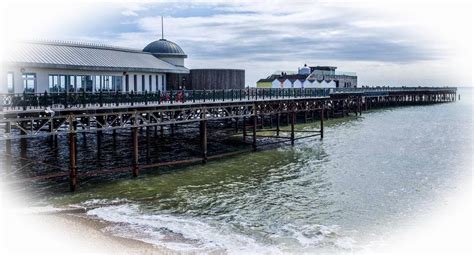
{"x": 188, "y": 234}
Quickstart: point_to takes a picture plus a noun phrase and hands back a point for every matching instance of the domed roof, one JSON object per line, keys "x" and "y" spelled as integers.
{"x": 164, "y": 48}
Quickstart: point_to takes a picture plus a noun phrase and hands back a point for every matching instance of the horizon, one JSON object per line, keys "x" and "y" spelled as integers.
{"x": 385, "y": 44}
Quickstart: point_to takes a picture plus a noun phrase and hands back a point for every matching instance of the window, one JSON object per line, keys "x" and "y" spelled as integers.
{"x": 135, "y": 85}
{"x": 57, "y": 83}
{"x": 162, "y": 83}
{"x": 89, "y": 84}
{"x": 29, "y": 82}
{"x": 98, "y": 86}
{"x": 127, "y": 85}
{"x": 156, "y": 83}
{"x": 10, "y": 83}
{"x": 71, "y": 83}
{"x": 143, "y": 82}
{"x": 107, "y": 83}
{"x": 80, "y": 82}
{"x": 149, "y": 83}
{"x": 84, "y": 83}
{"x": 116, "y": 83}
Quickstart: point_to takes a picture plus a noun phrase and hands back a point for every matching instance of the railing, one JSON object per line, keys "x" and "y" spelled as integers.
{"x": 86, "y": 99}
{"x": 391, "y": 89}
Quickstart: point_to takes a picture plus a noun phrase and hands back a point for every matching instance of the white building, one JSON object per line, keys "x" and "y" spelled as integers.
{"x": 282, "y": 83}
{"x": 327, "y": 84}
{"x": 297, "y": 84}
{"x": 308, "y": 84}
{"x": 38, "y": 67}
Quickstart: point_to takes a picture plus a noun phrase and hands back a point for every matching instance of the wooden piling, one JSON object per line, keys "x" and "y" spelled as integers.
{"x": 172, "y": 126}
{"x": 244, "y": 129}
{"x": 254, "y": 132}
{"x": 135, "y": 151}
{"x": 321, "y": 117}
{"x": 278, "y": 124}
{"x": 72, "y": 161}
{"x": 8, "y": 142}
{"x": 147, "y": 135}
{"x": 203, "y": 131}
{"x": 293, "y": 120}
{"x": 99, "y": 144}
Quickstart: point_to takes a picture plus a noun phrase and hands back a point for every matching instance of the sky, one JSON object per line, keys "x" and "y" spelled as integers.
{"x": 385, "y": 43}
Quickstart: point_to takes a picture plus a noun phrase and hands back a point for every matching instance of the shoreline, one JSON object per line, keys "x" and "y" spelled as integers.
{"x": 87, "y": 232}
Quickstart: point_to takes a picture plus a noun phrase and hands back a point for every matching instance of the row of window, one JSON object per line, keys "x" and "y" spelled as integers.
{"x": 79, "y": 83}
{"x": 150, "y": 84}
{"x": 29, "y": 82}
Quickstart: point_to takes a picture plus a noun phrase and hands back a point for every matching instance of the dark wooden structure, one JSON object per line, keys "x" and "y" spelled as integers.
{"x": 209, "y": 79}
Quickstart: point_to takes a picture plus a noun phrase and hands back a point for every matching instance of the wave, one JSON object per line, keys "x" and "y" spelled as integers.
{"x": 189, "y": 234}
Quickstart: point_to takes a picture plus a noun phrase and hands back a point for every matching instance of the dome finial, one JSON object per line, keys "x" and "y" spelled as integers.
{"x": 162, "y": 33}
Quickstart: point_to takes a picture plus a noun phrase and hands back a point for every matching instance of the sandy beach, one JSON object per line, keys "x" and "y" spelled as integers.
{"x": 76, "y": 233}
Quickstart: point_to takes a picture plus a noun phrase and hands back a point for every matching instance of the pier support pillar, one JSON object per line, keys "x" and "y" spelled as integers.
{"x": 244, "y": 129}
{"x": 172, "y": 126}
{"x": 203, "y": 129}
{"x": 72, "y": 162}
{"x": 147, "y": 133}
{"x": 321, "y": 117}
{"x": 278, "y": 124}
{"x": 8, "y": 148}
{"x": 8, "y": 142}
{"x": 293, "y": 120}
{"x": 99, "y": 144}
{"x": 254, "y": 132}
{"x": 135, "y": 151}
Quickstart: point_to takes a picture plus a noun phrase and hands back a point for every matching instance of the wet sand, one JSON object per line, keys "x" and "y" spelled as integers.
{"x": 76, "y": 233}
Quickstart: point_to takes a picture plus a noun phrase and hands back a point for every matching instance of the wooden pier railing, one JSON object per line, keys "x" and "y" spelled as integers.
{"x": 116, "y": 98}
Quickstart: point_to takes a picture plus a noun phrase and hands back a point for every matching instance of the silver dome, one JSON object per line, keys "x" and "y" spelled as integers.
{"x": 164, "y": 48}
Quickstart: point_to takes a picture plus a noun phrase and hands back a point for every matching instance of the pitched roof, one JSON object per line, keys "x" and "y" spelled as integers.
{"x": 265, "y": 80}
{"x": 86, "y": 57}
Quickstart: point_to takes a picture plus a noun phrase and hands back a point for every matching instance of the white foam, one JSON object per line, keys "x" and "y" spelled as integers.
{"x": 177, "y": 232}
{"x": 190, "y": 234}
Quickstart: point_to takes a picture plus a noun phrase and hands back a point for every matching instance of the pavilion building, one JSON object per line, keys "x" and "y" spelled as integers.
{"x": 42, "y": 66}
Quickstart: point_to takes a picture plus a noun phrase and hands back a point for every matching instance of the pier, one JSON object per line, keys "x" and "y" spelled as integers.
{"x": 245, "y": 112}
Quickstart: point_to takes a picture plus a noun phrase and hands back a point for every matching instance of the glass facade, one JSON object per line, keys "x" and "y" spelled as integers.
{"x": 66, "y": 83}
{"x": 78, "y": 83}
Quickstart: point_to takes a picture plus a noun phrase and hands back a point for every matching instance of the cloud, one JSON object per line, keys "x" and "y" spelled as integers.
{"x": 263, "y": 36}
